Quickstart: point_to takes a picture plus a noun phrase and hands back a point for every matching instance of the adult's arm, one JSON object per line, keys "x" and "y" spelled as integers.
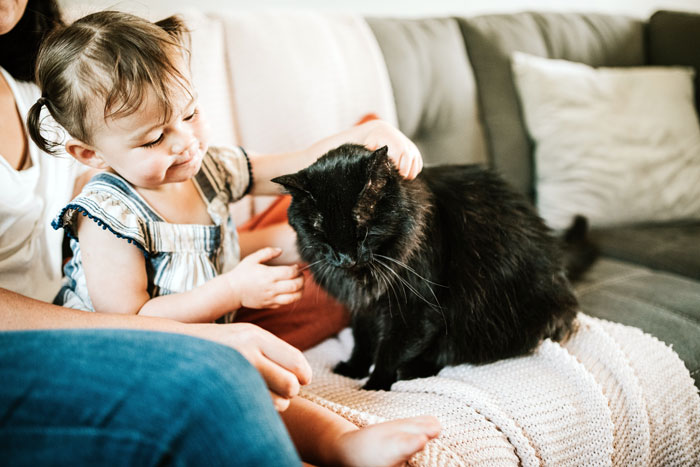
{"x": 283, "y": 367}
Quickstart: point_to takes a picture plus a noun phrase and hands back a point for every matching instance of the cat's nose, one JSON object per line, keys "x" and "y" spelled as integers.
{"x": 342, "y": 260}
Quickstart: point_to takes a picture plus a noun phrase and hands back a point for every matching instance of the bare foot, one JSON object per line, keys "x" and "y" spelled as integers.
{"x": 387, "y": 444}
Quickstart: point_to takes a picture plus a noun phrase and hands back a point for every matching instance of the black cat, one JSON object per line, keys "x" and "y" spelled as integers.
{"x": 449, "y": 268}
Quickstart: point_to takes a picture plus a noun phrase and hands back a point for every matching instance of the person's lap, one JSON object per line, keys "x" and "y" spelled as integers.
{"x": 122, "y": 397}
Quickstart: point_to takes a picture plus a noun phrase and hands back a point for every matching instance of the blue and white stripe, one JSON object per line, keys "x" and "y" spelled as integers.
{"x": 178, "y": 257}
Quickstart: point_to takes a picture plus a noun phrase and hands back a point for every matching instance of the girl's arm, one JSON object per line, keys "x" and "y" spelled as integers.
{"x": 117, "y": 282}
{"x": 373, "y": 134}
{"x": 280, "y": 235}
{"x": 115, "y": 272}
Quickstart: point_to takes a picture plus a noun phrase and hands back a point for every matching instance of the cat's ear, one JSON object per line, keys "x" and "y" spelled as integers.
{"x": 381, "y": 165}
{"x": 379, "y": 173}
{"x": 381, "y": 152}
{"x": 293, "y": 183}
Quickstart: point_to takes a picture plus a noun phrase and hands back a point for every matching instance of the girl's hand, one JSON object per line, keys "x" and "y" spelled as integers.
{"x": 283, "y": 367}
{"x": 260, "y": 286}
{"x": 402, "y": 151}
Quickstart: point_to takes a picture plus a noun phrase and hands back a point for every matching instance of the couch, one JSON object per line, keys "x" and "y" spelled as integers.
{"x": 446, "y": 83}
{"x": 276, "y": 80}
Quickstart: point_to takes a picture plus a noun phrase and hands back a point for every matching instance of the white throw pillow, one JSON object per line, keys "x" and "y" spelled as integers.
{"x": 618, "y": 145}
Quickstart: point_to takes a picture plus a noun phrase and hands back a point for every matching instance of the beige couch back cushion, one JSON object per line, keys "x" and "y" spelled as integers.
{"x": 275, "y": 81}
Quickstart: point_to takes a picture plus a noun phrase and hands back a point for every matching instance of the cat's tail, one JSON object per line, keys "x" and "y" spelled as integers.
{"x": 579, "y": 251}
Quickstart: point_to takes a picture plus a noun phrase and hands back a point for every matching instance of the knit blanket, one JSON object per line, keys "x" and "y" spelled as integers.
{"x": 610, "y": 395}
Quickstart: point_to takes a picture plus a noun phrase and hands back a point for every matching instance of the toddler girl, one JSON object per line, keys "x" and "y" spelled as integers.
{"x": 151, "y": 234}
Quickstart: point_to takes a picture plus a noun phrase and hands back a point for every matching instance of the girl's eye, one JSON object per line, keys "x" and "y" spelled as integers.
{"x": 154, "y": 142}
{"x": 192, "y": 116}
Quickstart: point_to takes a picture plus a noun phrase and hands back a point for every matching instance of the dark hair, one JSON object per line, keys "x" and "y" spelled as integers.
{"x": 19, "y": 47}
{"x": 110, "y": 56}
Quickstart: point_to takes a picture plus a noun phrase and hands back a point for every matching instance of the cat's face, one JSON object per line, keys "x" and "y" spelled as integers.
{"x": 347, "y": 209}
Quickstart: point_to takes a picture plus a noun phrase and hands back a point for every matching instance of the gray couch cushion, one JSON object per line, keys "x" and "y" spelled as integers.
{"x": 594, "y": 39}
{"x": 433, "y": 86}
{"x": 671, "y": 247}
{"x": 674, "y": 39}
{"x": 664, "y": 305}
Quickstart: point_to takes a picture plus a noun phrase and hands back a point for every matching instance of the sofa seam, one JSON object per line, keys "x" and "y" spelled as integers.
{"x": 657, "y": 305}
{"x": 605, "y": 282}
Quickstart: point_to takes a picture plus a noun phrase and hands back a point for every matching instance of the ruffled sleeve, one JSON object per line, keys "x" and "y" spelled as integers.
{"x": 108, "y": 201}
{"x": 227, "y": 169}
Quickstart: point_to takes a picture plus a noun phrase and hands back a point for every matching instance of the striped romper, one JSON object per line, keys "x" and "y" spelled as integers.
{"x": 179, "y": 257}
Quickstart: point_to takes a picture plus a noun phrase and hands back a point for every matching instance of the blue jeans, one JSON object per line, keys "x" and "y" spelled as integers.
{"x": 116, "y": 397}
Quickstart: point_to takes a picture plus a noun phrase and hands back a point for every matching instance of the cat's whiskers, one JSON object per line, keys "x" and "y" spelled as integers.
{"x": 310, "y": 264}
{"x": 320, "y": 276}
{"x": 389, "y": 287}
{"x": 409, "y": 269}
{"x": 391, "y": 283}
{"x": 393, "y": 289}
{"x": 378, "y": 276}
{"x": 324, "y": 271}
{"x": 319, "y": 273}
{"x": 411, "y": 288}
{"x": 435, "y": 306}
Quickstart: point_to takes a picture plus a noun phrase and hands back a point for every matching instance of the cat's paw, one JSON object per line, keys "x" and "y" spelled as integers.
{"x": 349, "y": 370}
{"x": 378, "y": 383}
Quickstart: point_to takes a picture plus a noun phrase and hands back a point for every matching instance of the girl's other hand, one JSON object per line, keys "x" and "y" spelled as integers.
{"x": 402, "y": 151}
{"x": 260, "y": 286}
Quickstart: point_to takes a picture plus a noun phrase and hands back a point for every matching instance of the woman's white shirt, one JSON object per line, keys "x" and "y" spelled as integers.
{"x": 30, "y": 250}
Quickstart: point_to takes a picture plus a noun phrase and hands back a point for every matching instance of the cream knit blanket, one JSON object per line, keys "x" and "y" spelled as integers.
{"x": 611, "y": 395}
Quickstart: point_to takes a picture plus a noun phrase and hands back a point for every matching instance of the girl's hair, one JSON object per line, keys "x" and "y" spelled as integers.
{"x": 19, "y": 47}
{"x": 110, "y": 57}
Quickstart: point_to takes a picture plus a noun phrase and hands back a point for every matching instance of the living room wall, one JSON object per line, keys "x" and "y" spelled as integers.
{"x": 408, "y": 8}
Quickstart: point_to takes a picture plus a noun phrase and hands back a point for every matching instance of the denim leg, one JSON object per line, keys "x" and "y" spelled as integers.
{"x": 117, "y": 397}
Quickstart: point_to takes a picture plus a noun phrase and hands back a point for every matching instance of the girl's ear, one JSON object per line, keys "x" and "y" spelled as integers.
{"x": 85, "y": 154}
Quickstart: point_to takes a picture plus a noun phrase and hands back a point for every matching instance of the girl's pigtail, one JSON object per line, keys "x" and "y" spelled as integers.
{"x": 176, "y": 28}
{"x": 34, "y": 121}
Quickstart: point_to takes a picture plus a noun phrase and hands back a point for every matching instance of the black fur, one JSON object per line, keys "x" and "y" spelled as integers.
{"x": 451, "y": 267}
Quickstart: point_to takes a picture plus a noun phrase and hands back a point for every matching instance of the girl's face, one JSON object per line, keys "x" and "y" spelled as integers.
{"x": 149, "y": 153}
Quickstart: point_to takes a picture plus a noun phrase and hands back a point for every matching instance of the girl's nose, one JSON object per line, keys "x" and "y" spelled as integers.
{"x": 182, "y": 139}
{"x": 182, "y": 147}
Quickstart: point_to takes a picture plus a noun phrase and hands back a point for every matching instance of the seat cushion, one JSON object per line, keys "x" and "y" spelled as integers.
{"x": 670, "y": 247}
{"x": 663, "y": 304}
